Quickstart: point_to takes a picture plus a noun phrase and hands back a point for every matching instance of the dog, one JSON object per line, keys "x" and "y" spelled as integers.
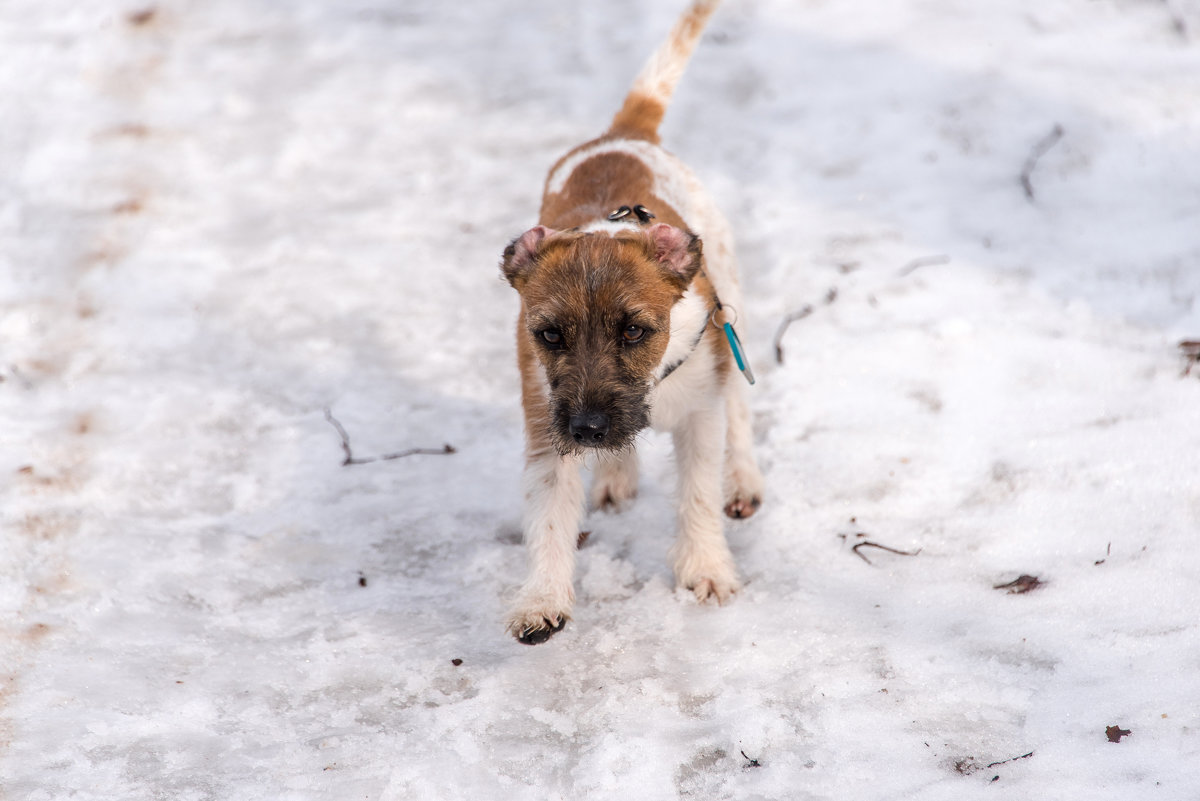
{"x": 629, "y": 292}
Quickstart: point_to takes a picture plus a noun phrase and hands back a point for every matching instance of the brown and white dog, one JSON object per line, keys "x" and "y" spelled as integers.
{"x": 621, "y": 327}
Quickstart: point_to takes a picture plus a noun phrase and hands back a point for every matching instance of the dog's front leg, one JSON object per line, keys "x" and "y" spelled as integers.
{"x": 553, "y": 510}
{"x": 701, "y": 555}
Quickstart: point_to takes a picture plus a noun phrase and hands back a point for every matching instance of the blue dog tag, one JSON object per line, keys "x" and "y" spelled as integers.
{"x": 735, "y": 345}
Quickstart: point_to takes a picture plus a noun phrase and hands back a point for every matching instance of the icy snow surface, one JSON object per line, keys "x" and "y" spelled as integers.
{"x": 217, "y": 219}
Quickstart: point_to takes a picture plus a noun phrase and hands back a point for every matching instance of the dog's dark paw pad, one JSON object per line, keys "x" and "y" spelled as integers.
{"x": 740, "y": 508}
{"x": 537, "y": 636}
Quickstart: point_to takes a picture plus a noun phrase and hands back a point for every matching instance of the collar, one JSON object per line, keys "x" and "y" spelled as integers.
{"x": 731, "y": 336}
{"x": 695, "y": 321}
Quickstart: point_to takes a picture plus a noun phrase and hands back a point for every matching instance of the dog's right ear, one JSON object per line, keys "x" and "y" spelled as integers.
{"x": 677, "y": 250}
{"x": 520, "y": 254}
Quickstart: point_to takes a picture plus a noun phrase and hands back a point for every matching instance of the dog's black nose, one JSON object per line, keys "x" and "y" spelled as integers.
{"x": 589, "y": 428}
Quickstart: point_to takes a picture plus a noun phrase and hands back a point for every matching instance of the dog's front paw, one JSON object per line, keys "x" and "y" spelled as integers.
{"x": 717, "y": 581}
{"x": 536, "y": 632}
{"x": 535, "y": 623}
{"x": 720, "y": 590}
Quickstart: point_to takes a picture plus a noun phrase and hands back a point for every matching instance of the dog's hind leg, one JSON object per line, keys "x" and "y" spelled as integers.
{"x": 701, "y": 555}
{"x": 743, "y": 480}
{"x": 553, "y": 510}
{"x": 615, "y": 481}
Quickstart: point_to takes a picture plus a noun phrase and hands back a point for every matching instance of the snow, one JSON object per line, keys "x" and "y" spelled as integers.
{"x": 219, "y": 222}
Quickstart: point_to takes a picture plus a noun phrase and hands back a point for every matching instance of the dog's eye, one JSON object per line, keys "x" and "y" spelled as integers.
{"x": 633, "y": 333}
{"x": 552, "y": 337}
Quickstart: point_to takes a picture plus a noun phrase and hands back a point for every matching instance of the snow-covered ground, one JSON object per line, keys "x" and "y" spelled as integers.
{"x": 219, "y": 219}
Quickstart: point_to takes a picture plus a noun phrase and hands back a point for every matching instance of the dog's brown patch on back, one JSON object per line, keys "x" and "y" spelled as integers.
{"x": 601, "y": 184}
{"x": 597, "y": 186}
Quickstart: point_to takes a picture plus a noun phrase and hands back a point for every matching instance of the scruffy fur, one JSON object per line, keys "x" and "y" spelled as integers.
{"x": 619, "y": 329}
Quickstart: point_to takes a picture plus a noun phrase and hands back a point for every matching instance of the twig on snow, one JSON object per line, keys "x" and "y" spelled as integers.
{"x": 869, "y": 544}
{"x": 792, "y": 317}
{"x": 352, "y": 459}
{"x": 1011, "y": 759}
{"x": 1044, "y": 144}
{"x": 783, "y": 327}
{"x": 1190, "y": 348}
{"x": 923, "y": 261}
{"x": 1021, "y": 584}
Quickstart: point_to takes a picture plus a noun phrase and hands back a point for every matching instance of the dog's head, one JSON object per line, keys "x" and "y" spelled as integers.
{"x": 597, "y": 312}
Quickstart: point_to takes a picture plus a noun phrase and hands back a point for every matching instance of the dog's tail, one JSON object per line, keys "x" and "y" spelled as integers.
{"x": 647, "y": 100}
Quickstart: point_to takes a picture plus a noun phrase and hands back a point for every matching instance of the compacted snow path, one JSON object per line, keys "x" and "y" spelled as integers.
{"x": 220, "y": 220}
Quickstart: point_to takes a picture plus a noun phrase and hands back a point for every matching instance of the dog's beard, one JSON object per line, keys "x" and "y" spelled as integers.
{"x": 627, "y": 417}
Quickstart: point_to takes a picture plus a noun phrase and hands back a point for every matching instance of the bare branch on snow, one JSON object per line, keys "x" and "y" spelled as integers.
{"x": 1010, "y": 759}
{"x": 1044, "y": 144}
{"x": 352, "y": 459}
{"x": 792, "y": 317}
{"x": 1190, "y": 348}
{"x": 1020, "y": 585}
{"x": 869, "y": 544}
{"x": 923, "y": 261}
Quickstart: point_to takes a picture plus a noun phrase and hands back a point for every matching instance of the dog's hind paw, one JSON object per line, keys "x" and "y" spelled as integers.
{"x": 743, "y": 488}
{"x": 615, "y": 483}
{"x": 610, "y": 499}
{"x": 740, "y": 508}
{"x": 534, "y": 628}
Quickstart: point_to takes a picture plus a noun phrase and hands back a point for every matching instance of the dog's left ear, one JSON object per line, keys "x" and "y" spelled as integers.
{"x": 520, "y": 253}
{"x": 676, "y": 250}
